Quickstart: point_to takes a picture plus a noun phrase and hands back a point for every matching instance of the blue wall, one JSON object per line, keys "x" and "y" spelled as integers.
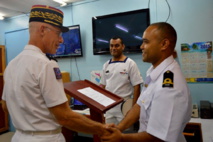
{"x": 193, "y": 20}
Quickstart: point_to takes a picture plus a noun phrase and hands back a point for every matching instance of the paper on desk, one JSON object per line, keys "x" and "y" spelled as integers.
{"x": 96, "y": 96}
{"x": 84, "y": 112}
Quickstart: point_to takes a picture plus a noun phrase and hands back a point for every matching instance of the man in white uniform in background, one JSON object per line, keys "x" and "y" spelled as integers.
{"x": 120, "y": 76}
{"x": 33, "y": 90}
{"x": 164, "y": 108}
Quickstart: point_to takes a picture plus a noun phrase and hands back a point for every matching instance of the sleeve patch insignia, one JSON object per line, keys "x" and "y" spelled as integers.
{"x": 58, "y": 74}
{"x": 168, "y": 79}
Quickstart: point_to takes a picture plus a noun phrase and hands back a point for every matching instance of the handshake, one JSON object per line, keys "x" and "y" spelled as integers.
{"x": 111, "y": 133}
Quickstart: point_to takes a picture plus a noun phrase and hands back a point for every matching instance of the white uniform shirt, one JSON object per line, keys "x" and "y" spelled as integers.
{"x": 31, "y": 88}
{"x": 165, "y": 110}
{"x": 120, "y": 77}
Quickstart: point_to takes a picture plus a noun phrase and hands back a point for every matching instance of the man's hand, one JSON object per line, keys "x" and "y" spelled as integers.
{"x": 106, "y": 132}
{"x": 114, "y": 136}
{"x": 110, "y": 125}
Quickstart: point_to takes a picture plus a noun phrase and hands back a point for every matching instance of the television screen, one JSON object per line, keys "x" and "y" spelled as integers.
{"x": 71, "y": 47}
{"x": 127, "y": 25}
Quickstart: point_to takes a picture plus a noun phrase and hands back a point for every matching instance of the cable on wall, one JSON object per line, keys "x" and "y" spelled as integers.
{"x": 72, "y": 14}
{"x": 71, "y": 68}
{"x": 149, "y": 4}
{"x": 77, "y": 69}
{"x": 169, "y": 10}
{"x": 168, "y": 7}
{"x": 71, "y": 10}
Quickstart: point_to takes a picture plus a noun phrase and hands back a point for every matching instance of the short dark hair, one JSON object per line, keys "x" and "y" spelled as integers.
{"x": 167, "y": 31}
{"x": 117, "y": 37}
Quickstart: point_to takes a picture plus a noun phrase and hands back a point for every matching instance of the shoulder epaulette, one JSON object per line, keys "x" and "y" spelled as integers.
{"x": 168, "y": 79}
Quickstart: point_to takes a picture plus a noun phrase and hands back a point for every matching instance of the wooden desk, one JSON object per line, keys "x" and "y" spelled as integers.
{"x": 4, "y": 125}
{"x": 193, "y": 132}
{"x": 69, "y": 134}
{"x": 207, "y": 128}
{"x": 96, "y": 109}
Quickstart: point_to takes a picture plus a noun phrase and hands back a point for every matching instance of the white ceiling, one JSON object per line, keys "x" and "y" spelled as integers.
{"x": 10, "y": 8}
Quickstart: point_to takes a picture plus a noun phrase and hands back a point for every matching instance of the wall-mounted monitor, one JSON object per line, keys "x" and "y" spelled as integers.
{"x": 128, "y": 25}
{"x": 71, "y": 47}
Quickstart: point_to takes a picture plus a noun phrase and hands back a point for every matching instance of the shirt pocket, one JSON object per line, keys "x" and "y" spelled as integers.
{"x": 108, "y": 74}
{"x": 147, "y": 103}
{"x": 147, "y": 99}
{"x": 145, "y": 106}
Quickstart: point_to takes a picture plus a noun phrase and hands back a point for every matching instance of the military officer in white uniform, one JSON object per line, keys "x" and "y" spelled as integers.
{"x": 164, "y": 106}
{"x": 33, "y": 90}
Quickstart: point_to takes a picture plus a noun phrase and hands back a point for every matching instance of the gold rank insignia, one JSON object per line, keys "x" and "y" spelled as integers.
{"x": 168, "y": 79}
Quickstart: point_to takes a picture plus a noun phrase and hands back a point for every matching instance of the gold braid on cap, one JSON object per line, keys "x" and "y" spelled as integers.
{"x": 47, "y": 15}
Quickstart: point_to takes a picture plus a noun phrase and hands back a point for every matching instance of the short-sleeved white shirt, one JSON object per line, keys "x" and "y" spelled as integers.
{"x": 30, "y": 88}
{"x": 120, "y": 77}
{"x": 164, "y": 111}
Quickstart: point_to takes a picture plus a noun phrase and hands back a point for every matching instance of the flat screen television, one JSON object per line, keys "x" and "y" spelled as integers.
{"x": 128, "y": 25}
{"x": 71, "y": 47}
